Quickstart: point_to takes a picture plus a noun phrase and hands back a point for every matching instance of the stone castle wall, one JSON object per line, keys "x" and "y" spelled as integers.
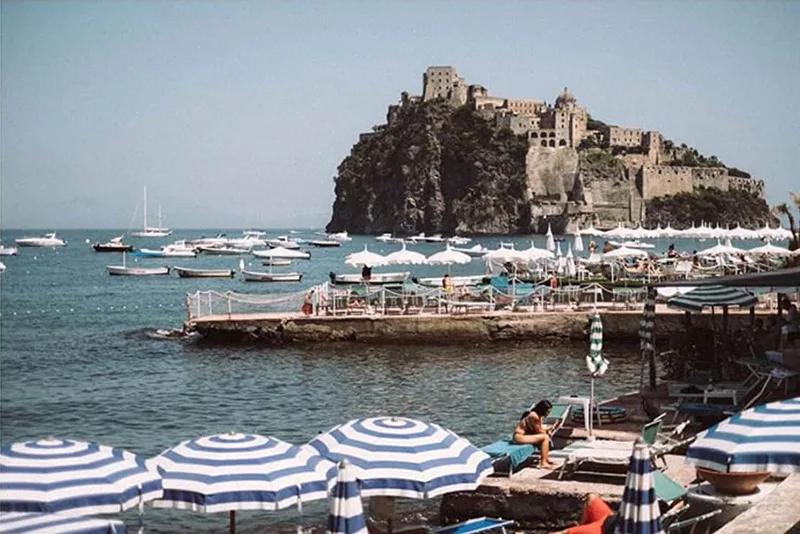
{"x": 660, "y": 180}
{"x": 714, "y": 177}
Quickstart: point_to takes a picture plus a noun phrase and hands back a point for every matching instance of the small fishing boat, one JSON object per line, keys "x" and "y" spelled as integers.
{"x": 325, "y": 243}
{"x": 258, "y": 276}
{"x": 8, "y": 251}
{"x": 375, "y": 278}
{"x": 124, "y": 270}
{"x": 185, "y": 272}
{"x": 113, "y": 245}
{"x": 47, "y": 240}
{"x": 224, "y": 251}
{"x": 166, "y": 252}
{"x": 276, "y": 262}
{"x": 457, "y": 281}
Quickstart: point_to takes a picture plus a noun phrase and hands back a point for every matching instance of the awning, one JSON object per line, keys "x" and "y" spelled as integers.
{"x": 778, "y": 279}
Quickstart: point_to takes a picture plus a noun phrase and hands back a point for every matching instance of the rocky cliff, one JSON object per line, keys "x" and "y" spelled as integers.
{"x": 436, "y": 169}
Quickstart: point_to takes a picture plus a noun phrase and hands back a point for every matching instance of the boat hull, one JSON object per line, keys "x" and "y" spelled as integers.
{"x": 223, "y": 251}
{"x": 8, "y": 251}
{"x": 110, "y": 247}
{"x": 457, "y": 281}
{"x": 375, "y": 278}
{"x": 121, "y": 270}
{"x": 39, "y": 242}
{"x": 253, "y": 276}
{"x": 316, "y": 243}
{"x": 203, "y": 273}
{"x": 277, "y": 262}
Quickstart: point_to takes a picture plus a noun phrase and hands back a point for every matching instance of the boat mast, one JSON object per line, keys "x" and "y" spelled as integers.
{"x": 145, "y": 209}
{"x": 159, "y": 218}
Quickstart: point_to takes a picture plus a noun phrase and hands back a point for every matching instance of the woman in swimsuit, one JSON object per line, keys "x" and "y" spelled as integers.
{"x": 531, "y": 429}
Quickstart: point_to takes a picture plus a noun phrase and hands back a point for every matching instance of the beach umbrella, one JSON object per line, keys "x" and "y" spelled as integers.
{"x": 710, "y": 296}
{"x": 595, "y": 362}
{"x": 281, "y": 252}
{"x": 402, "y": 457}
{"x": 571, "y": 269}
{"x": 448, "y": 257}
{"x": 365, "y": 258}
{"x": 74, "y": 478}
{"x": 646, "y": 338}
{"x": 721, "y": 249}
{"x": 639, "y": 511}
{"x": 36, "y": 523}
{"x": 536, "y": 254}
{"x": 233, "y": 471}
{"x": 551, "y": 243}
{"x": 405, "y": 257}
{"x": 770, "y": 250}
{"x": 624, "y": 252}
{"x": 759, "y": 439}
{"x": 578, "y": 243}
{"x": 347, "y": 512}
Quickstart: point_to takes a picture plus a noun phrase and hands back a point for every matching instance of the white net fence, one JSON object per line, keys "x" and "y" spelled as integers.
{"x": 208, "y": 303}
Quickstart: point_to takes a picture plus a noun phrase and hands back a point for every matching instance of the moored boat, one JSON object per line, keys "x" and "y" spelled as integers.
{"x": 8, "y": 251}
{"x": 151, "y": 231}
{"x": 256, "y": 276}
{"x": 457, "y": 281}
{"x": 47, "y": 240}
{"x": 476, "y": 251}
{"x": 282, "y": 241}
{"x": 325, "y": 243}
{"x": 122, "y": 270}
{"x": 115, "y": 244}
{"x": 276, "y": 262}
{"x": 375, "y": 278}
{"x": 223, "y": 251}
{"x": 283, "y": 253}
{"x": 185, "y": 272}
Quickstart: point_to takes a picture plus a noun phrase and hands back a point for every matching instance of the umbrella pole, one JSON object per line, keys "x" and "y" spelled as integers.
{"x": 232, "y": 521}
{"x": 591, "y": 407}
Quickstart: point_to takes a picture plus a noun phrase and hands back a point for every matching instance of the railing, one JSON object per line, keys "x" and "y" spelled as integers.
{"x": 327, "y": 299}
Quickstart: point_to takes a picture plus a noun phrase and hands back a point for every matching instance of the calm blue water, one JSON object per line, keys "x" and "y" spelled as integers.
{"x": 78, "y": 360}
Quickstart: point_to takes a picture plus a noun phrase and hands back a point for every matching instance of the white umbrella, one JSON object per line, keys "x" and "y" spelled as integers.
{"x": 405, "y": 257}
{"x": 448, "y": 256}
{"x": 625, "y": 252}
{"x": 551, "y": 243}
{"x": 365, "y": 258}
{"x": 591, "y": 230}
{"x": 537, "y": 254}
{"x": 742, "y": 233}
{"x": 719, "y": 250}
{"x": 619, "y": 231}
{"x": 570, "y": 267}
{"x": 770, "y": 250}
{"x": 503, "y": 255}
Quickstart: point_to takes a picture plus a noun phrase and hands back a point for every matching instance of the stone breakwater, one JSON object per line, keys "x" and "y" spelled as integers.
{"x": 278, "y": 329}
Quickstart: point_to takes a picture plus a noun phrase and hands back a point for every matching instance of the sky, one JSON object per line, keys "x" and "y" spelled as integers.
{"x": 237, "y": 113}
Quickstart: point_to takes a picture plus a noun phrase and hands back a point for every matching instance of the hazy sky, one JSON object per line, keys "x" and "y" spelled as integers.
{"x": 237, "y": 113}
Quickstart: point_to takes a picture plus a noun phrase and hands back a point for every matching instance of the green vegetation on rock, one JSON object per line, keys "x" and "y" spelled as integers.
{"x": 711, "y": 206}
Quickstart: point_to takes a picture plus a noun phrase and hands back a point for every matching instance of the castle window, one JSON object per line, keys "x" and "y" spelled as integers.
{"x": 552, "y": 143}
{"x": 562, "y": 143}
{"x": 544, "y": 143}
{"x": 534, "y": 135}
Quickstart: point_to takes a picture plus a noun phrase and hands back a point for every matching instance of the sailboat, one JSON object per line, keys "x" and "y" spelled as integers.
{"x": 151, "y": 231}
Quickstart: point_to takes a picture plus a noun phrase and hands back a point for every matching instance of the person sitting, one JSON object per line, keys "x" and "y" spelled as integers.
{"x": 671, "y": 252}
{"x": 597, "y": 517}
{"x": 447, "y": 285}
{"x": 531, "y": 429}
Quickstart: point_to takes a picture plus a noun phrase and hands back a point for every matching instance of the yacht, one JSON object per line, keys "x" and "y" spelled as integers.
{"x": 48, "y": 240}
{"x": 151, "y": 231}
{"x": 283, "y": 241}
{"x": 114, "y": 245}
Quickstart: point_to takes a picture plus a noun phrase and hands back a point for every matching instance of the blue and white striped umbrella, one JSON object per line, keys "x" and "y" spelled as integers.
{"x": 595, "y": 362}
{"x": 401, "y": 457}
{"x": 74, "y": 478}
{"x": 229, "y": 472}
{"x": 347, "y": 511}
{"x": 763, "y": 438}
{"x": 639, "y": 512}
{"x": 34, "y": 523}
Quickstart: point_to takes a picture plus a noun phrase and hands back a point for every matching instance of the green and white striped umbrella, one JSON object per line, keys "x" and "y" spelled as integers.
{"x": 709, "y": 296}
{"x": 648, "y": 318}
{"x": 595, "y": 362}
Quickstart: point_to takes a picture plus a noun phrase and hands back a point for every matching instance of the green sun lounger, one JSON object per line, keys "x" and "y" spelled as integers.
{"x": 474, "y": 526}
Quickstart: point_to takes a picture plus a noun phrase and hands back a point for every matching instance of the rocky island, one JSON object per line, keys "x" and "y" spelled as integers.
{"x": 457, "y": 160}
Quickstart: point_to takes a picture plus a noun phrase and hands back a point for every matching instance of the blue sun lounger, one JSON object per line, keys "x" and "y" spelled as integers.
{"x": 473, "y": 526}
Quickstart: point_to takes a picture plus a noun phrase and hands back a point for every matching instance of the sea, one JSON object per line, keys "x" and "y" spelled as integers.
{"x": 80, "y": 358}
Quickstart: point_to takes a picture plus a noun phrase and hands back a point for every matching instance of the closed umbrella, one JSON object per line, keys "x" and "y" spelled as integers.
{"x": 74, "y": 478}
{"x": 35, "y": 523}
{"x": 595, "y": 362}
{"x": 402, "y": 457}
{"x": 229, "y": 472}
{"x": 365, "y": 258}
{"x": 347, "y": 511}
{"x": 639, "y": 512}
{"x": 572, "y": 270}
{"x": 551, "y": 243}
{"x": 578, "y": 244}
{"x": 759, "y": 439}
{"x": 405, "y": 257}
{"x": 646, "y": 339}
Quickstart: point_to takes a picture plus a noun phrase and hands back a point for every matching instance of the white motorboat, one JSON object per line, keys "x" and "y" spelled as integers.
{"x": 47, "y": 240}
{"x": 435, "y": 238}
{"x": 220, "y": 240}
{"x": 375, "y": 278}
{"x": 457, "y": 281}
{"x": 124, "y": 270}
{"x": 276, "y": 262}
{"x": 384, "y": 238}
{"x": 8, "y": 251}
{"x": 280, "y": 252}
{"x": 632, "y": 244}
{"x": 282, "y": 241}
{"x": 476, "y": 251}
{"x": 175, "y": 250}
{"x": 458, "y": 240}
{"x": 151, "y": 231}
{"x": 340, "y": 236}
{"x": 325, "y": 243}
{"x": 185, "y": 272}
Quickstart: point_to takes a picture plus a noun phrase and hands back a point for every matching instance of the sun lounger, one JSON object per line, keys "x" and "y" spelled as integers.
{"x": 473, "y": 526}
{"x": 505, "y": 450}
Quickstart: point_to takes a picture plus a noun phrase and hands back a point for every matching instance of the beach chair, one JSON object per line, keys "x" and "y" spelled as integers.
{"x": 691, "y": 525}
{"x": 473, "y": 526}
